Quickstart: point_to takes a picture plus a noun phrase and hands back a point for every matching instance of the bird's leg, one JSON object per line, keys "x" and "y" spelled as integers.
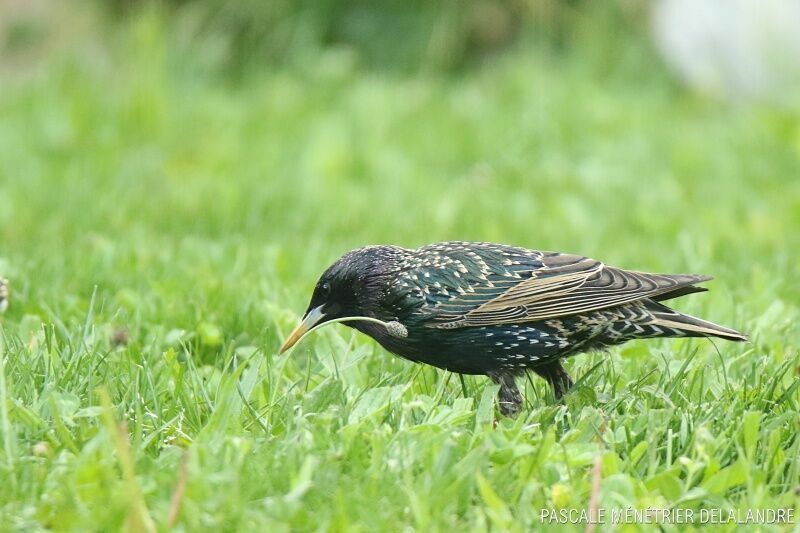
{"x": 558, "y": 378}
{"x": 508, "y": 399}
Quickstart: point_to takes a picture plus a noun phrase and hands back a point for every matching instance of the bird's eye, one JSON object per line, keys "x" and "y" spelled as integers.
{"x": 325, "y": 289}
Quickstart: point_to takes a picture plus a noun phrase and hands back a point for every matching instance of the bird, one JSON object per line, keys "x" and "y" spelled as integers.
{"x": 480, "y": 308}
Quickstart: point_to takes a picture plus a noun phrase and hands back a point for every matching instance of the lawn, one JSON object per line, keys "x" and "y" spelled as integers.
{"x": 162, "y": 229}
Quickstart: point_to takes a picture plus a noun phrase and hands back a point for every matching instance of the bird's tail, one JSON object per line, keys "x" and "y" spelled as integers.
{"x": 689, "y": 326}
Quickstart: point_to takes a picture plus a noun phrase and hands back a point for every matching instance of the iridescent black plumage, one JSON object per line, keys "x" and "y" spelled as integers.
{"x": 483, "y": 308}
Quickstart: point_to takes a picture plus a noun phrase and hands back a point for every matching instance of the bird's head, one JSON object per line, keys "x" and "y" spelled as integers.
{"x": 350, "y": 289}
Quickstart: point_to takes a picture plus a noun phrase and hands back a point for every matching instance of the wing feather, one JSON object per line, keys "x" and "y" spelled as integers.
{"x": 563, "y": 285}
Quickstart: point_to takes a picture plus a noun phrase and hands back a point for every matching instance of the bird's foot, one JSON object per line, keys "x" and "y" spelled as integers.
{"x": 557, "y": 376}
{"x": 509, "y": 400}
{"x": 509, "y": 408}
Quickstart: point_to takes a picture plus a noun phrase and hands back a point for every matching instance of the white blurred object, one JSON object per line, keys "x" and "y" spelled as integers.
{"x": 740, "y": 49}
{"x": 5, "y": 294}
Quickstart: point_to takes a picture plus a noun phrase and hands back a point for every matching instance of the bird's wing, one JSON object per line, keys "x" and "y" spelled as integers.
{"x": 516, "y": 285}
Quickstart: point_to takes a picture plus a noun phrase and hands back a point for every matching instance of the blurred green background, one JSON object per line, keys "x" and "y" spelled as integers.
{"x": 175, "y": 175}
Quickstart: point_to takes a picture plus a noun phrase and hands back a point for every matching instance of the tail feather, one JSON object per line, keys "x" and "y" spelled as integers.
{"x": 691, "y": 326}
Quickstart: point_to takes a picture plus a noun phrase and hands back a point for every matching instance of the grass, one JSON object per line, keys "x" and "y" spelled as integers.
{"x": 162, "y": 230}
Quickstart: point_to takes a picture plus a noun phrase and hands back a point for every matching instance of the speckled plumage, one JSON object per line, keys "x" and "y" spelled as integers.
{"x": 483, "y": 308}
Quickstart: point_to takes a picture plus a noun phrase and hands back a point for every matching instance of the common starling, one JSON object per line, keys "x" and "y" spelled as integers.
{"x": 497, "y": 310}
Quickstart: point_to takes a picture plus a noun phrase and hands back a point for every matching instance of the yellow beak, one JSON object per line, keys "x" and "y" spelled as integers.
{"x": 311, "y": 319}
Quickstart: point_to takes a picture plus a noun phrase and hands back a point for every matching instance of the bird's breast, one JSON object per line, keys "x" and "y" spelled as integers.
{"x": 472, "y": 350}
